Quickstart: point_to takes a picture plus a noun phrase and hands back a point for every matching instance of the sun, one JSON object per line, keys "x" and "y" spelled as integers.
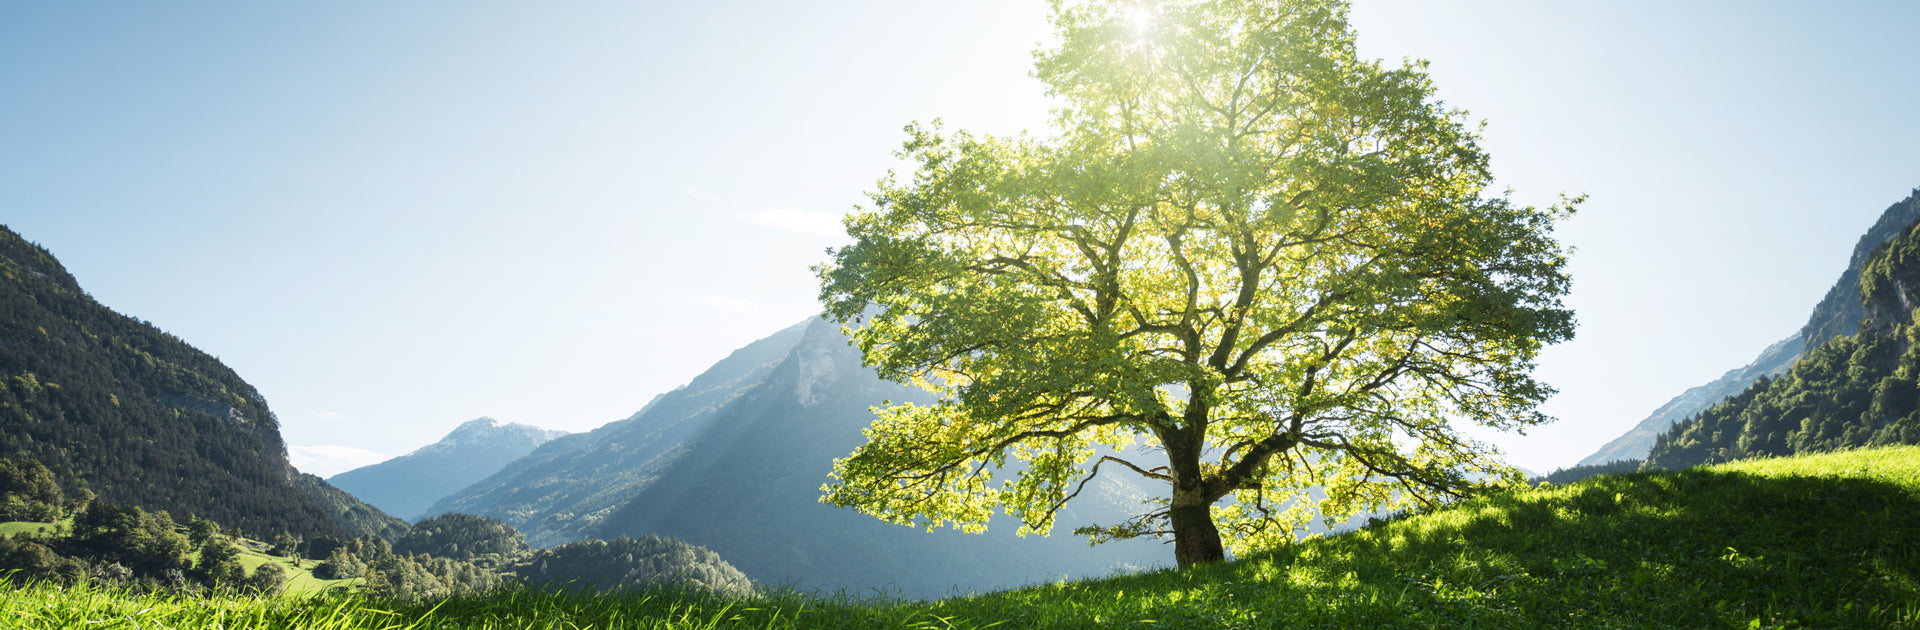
{"x": 1142, "y": 18}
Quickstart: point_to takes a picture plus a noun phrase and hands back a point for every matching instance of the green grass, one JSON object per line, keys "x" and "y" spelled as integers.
{"x": 300, "y": 580}
{"x": 15, "y": 527}
{"x": 1825, "y": 541}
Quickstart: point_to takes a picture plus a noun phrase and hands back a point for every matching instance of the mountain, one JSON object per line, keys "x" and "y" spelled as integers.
{"x": 137, "y": 414}
{"x": 1849, "y": 391}
{"x": 734, "y": 462}
{"x": 408, "y": 484}
{"x": 354, "y": 516}
{"x": 562, "y": 490}
{"x": 1772, "y": 362}
{"x": 1837, "y": 314}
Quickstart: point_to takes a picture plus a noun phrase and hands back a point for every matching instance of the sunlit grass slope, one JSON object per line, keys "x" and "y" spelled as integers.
{"x": 16, "y": 527}
{"x": 300, "y": 580}
{"x": 1825, "y": 541}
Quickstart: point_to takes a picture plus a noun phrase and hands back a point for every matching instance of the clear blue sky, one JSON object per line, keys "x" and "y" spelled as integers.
{"x": 395, "y": 217}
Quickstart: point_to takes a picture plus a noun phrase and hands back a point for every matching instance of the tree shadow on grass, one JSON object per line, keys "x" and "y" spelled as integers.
{"x": 1696, "y": 548}
{"x": 1691, "y": 549}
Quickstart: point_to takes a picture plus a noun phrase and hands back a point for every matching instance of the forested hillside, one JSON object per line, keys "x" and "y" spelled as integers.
{"x": 1850, "y": 391}
{"x": 135, "y": 413}
{"x": 1837, "y": 314}
{"x": 353, "y": 515}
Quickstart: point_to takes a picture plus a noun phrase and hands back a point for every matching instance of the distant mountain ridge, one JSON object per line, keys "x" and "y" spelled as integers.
{"x": 408, "y": 484}
{"x": 734, "y": 462}
{"x": 1838, "y": 314}
{"x": 139, "y": 415}
{"x": 1772, "y": 362}
{"x": 565, "y": 488}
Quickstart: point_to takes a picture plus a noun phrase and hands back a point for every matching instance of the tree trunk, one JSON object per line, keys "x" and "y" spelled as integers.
{"x": 1195, "y": 538}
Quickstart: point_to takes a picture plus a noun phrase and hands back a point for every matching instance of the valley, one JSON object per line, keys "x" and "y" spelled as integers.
{"x": 998, "y": 314}
{"x": 1812, "y": 541}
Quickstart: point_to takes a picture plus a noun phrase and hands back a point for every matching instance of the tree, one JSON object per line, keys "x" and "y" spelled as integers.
{"x": 129, "y": 535}
{"x": 201, "y": 531}
{"x": 268, "y": 579}
{"x": 287, "y": 545}
{"x": 28, "y": 492}
{"x": 1269, "y": 268}
{"x": 219, "y": 564}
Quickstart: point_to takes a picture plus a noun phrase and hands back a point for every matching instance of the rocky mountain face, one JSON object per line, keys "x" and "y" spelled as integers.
{"x": 735, "y": 460}
{"x": 133, "y": 412}
{"x": 408, "y": 484}
{"x": 1838, "y": 314}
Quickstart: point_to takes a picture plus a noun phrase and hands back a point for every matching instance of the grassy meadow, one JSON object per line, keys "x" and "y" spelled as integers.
{"x": 28, "y": 527}
{"x": 300, "y": 580}
{"x": 1826, "y": 541}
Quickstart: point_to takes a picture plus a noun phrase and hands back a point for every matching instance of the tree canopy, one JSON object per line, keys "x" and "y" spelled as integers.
{"x": 1248, "y": 264}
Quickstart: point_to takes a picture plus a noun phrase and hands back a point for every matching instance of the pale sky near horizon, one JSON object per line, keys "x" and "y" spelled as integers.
{"x": 392, "y": 218}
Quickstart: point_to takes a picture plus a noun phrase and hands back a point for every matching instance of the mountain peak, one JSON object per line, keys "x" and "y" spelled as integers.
{"x": 406, "y": 485}
{"x": 486, "y": 430}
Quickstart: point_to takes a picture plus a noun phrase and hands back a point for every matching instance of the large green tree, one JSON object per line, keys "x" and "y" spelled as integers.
{"x": 1249, "y": 265}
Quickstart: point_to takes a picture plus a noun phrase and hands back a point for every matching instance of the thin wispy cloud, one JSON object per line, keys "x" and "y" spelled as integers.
{"x": 800, "y": 221}
{"x": 327, "y": 460}
{"x": 328, "y": 415}
{"x": 700, "y": 194}
{"x": 720, "y": 302}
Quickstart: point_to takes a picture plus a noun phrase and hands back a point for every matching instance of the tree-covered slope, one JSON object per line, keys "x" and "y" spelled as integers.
{"x": 143, "y": 418}
{"x": 355, "y": 517}
{"x": 408, "y": 484}
{"x": 632, "y": 563}
{"x": 1837, "y": 314}
{"x": 1855, "y": 390}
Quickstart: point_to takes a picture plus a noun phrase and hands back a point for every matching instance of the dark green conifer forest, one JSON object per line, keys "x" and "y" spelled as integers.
{"x": 133, "y": 412}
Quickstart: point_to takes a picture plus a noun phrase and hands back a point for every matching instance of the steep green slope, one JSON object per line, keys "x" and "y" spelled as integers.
{"x": 1850, "y": 391}
{"x": 142, "y": 417}
{"x": 1838, "y": 314}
